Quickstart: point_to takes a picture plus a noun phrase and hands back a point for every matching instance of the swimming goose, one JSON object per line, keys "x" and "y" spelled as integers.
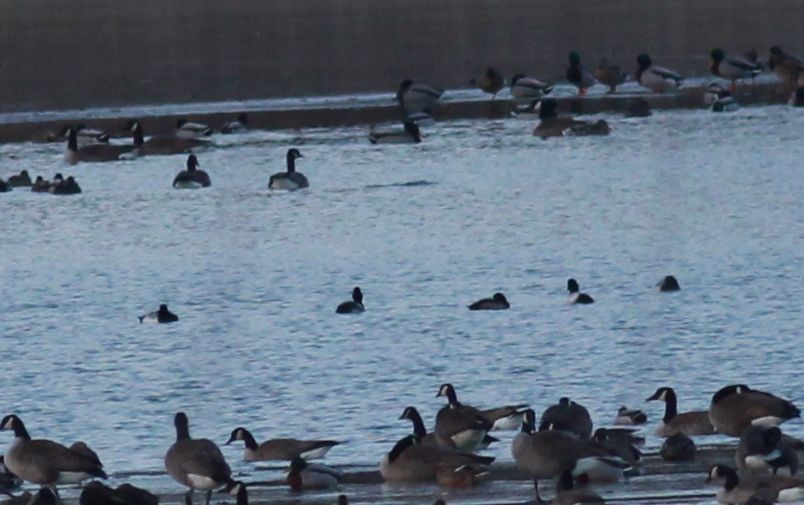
{"x": 551, "y": 125}
{"x": 96, "y": 493}
{"x": 568, "y": 416}
{"x": 777, "y": 488}
{"x": 496, "y": 302}
{"x": 578, "y": 75}
{"x": 626, "y": 416}
{"x": 67, "y": 186}
{"x": 280, "y": 449}
{"x": 461, "y": 477}
{"x": 94, "y": 152}
{"x": 528, "y": 90}
{"x": 610, "y": 75}
{"x": 163, "y": 315}
{"x": 732, "y": 67}
{"x": 568, "y": 495}
{"x": 238, "y": 489}
{"x": 621, "y": 442}
{"x": 678, "y": 447}
{"x": 734, "y": 408}
{"x": 491, "y": 82}
{"x": 40, "y": 185}
{"x": 195, "y": 463}
{"x": 7, "y": 479}
{"x": 192, "y": 178}
{"x": 668, "y": 284}
{"x": 417, "y": 97}
{"x": 191, "y": 130}
{"x": 575, "y": 295}
{"x": 786, "y": 66}
{"x": 464, "y": 425}
{"x": 303, "y": 475}
{"x": 658, "y": 79}
{"x": 239, "y": 125}
{"x": 763, "y": 449}
{"x": 412, "y": 414}
{"x": 410, "y": 460}
{"x": 290, "y": 179}
{"x": 43, "y": 461}
{"x": 20, "y": 180}
{"x": 688, "y": 423}
{"x": 162, "y": 144}
{"x": 410, "y": 134}
{"x": 353, "y": 306}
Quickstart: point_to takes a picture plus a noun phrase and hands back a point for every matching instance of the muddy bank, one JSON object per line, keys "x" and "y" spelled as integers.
{"x": 88, "y": 53}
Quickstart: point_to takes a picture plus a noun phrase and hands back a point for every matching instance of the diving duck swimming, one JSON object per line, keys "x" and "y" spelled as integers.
{"x": 553, "y": 126}
{"x": 192, "y": 178}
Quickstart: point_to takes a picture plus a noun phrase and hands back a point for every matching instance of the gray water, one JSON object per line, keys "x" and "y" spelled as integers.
{"x": 480, "y": 206}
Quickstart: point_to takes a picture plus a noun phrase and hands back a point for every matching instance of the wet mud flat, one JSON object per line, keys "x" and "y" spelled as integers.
{"x": 384, "y": 111}
{"x": 654, "y": 481}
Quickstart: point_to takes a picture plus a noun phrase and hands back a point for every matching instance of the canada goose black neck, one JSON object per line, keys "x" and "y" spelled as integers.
{"x": 182, "y": 426}
{"x": 139, "y": 136}
{"x": 246, "y": 436}
{"x": 291, "y": 159}
{"x": 12, "y": 422}
{"x": 732, "y": 480}
{"x": 529, "y": 422}
{"x": 192, "y": 163}
{"x": 357, "y": 295}
{"x": 670, "y": 402}
{"x": 643, "y": 62}
{"x": 401, "y": 447}
{"x": 242, "y": 495}
{"x": 413, "y": 416}
{"x": 72, "y": 140}
{"x": 449, "y": 391}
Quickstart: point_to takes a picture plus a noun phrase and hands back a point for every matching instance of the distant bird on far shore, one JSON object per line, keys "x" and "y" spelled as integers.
{"x": 492, "y": 81}
{"x": 610, "y": 75}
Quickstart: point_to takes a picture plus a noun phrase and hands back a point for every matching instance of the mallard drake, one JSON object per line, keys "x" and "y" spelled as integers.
{"x": 303, "y": 475}
{"x": 291, "y": 179}
{"x": 492, "y": 81}
{"x": 610, "y": 75}
{"x": 239, "y": 125}
{"x": 551, "y": 125}
{"x": 190, "y": 129}
{"x": 417, "y": 97}
{"x": 578, "y": 75}
{"x": 658, "y": 79}
{"x": 732, "y": 67}
{"x": 626, "y": 416}
{"x": 192, "y": 178}
{"x": 719, "y": 99}
{"x": 528, "y": 90}
{"x": 409, "y": 134}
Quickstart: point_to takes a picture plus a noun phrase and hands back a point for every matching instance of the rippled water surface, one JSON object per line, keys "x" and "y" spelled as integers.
{"x": 479, "y": 207}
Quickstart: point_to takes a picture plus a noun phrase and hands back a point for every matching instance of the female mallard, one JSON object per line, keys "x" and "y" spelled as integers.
{"x": 610, "y": 75}
{"x": 658, "y": 79}
{"x": 491, "y": 82}
{"x": 786, "y": 66}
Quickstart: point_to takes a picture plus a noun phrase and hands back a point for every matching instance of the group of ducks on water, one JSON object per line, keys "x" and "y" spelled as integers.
{"x": 498, "y": 301}
{"x": 57, "y": 186}
{"x": 563, "y": 446}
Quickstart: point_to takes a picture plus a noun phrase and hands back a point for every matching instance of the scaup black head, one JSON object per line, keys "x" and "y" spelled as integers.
{"x": 192, "y": 162}
{"x": 357, "y": 295}
{"x": 546, "y": 108}
{"x": 574, "y": 58}
{"x": 499, "y": 297}
{"x": 669, "y": 283}
{"x": 644, "y": 61}
{"x": 572, "y": 286}
{"x": 717, "y": 55}
{"x": 163, "y": 309}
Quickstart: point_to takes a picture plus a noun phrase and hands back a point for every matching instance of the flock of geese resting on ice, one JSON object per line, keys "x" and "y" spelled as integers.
{"x": 561, "y": 446}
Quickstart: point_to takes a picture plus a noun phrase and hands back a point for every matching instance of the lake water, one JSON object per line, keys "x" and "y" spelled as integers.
{"x": 479, "y": 207}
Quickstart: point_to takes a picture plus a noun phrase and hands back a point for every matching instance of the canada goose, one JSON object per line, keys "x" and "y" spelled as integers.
{"x": 420, "y": 431}
{"x": 626, "y": 416}
{"x": 7, "y": 479}
{"x": 620, "y": 442}
{"x": 43, "y": 461}
{"x": 40, "y": 185}
{"x": 303, "y": 475}
{"x": 280, "y": 449}
{"x": 238, "y": 489}
{"x": 192, "y": 178}
{"x": 410, "y": 134}
{"x": 786, "y": 66}
{"x": 191, "y": 130}
{"x": 21, "y": 499}
{"x": 410, "y": 460}
{"x": 776, "y": 488}
{"x": 94, "y": 152}
{"x": 610, "y": 75}
{"x": 568, "y": 495}
{"x": 163, "y": 315}
{"x": 551, "y": 125}
{"x": 84, "y": 136}
{"x": 668, "y": 284}
{"x": 496, "y": 302}
{"x": 568, "y": 416}
{"x": 290, "y": 179}
{"x": 461, "y": 477}
{"x": 528, "y": 90}
{"x": 678, "y": 447}
{"x": 763, "y": 449}
{"x": 575, "y": 295}
{"x": 658, "y": 79}
{"x": 491, "y": 82}
{"x": 83, "y": 449}
{"x": 353, "y": 306}
{"x": 239, "y": 125}
{"x": 162, "y": 144}
{"x": 734, "y": 408}
{"x": 688, "y": 423}
{"x": 20, "y": 180}
{"x": 417, "y": 97}
{"x": 464, "y": 425}
{"x": 548, "y": 453}
{"x": 67, "y": 186}
{"x": 578, "y": 75}
{"x": 96, "y": 493}
{"x": 732, "y": 67}
{"x": 196, "y": 463}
